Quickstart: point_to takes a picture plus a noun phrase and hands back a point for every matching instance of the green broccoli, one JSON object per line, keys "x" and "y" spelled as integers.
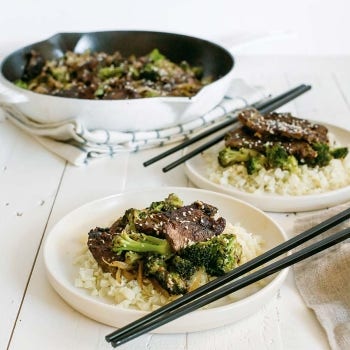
{"x": 275, "y": 157}
{"x": 323, "y": 157}
{"x": 278, "y": 157}
{"x": 170, "y": 203}
{"x": 254, "y": 164}
{"x": 132, "y": 215}
{"x": 217, "y": 255}
{"x": 229, "y": 156}
{"x": 111, "y": 72}
{"x": 21, "y": 83}
{"x": 155, "y": 55}
{"x": 132, "y": 258}
{"x": 339, "y": 152}
{"x": 60, "y": 73}
{"x": 156, "y": 255}
{"x": 184, "y": 267}
{"x": 140, "y": 243}
{"x": 157, "y": 268}
{"x": 325, "y": 154}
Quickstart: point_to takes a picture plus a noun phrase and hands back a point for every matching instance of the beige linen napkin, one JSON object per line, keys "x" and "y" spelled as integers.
{"x": 324, "y": 281}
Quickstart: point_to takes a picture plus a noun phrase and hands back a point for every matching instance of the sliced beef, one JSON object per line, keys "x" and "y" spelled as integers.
{"x": 283, "y": 125}
{"x": 241, "y": 137}
{"x": 192, "y": 223}
{"x": 100, "y": 243}
{"x": 152, "y": 224}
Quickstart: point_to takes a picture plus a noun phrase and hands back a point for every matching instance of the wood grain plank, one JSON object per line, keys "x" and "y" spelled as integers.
{"x": 29, "y": 180}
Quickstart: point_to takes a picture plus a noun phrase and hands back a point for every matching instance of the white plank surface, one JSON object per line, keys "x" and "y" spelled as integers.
{"x": 37, "y": 189}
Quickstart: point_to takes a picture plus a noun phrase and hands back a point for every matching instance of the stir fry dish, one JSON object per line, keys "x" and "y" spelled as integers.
{"x": 278, "y": 140}
{"x": 98, "y": 75}
{"x": 171, "y": 244}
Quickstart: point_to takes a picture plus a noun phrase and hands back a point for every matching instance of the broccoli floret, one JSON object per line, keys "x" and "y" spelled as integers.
{"x": 60, "y": 73}
{"x": 110, "y": 72}
{"x": 132, "y": 258}
{"x": 278, "y": 157}
{"x": 217, "y": 255}
{"x": 157, "y": 268}
{"x": 274, "y": 157}
{"x": 324, "y": 155}
{"x": 170, "y": 203}
{"x": 184, "y": 267}
{"x": 21, "y": 83}
{"x": 339, "y": 152}
{"x": 155, "y": 55}
{"x": 229, "y": 156}
{"x": 132, "y": 215}
{"x": 254, "y": 164}
{"x": 140, "y": 243}
{"x": 149, "y": 72}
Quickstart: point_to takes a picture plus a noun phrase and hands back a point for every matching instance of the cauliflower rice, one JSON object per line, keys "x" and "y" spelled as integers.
{"x": 129, "y": 294}
{"x": 304, "y": 181}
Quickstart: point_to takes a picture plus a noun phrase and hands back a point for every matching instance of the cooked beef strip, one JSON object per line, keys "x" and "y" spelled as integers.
{"x": 100, "y": 242}
{"x": 190, "y": 223}
{"x": 283, "y": 124}
{"x": 241, "y": 137}
{"x": 180, "y": 231}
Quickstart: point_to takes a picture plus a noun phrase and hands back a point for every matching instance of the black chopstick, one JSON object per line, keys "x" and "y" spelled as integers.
{"x": 238, "y": 284}
{"x": 263, "y": 109}
{"x": 232, "y": 119}
{"x": 223, "y": 280}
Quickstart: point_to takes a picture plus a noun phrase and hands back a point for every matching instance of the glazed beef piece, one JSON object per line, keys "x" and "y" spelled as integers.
{"x": 100, "y": 242}
{"x": 241, "y": 137}
{"x": 283, "y": 125}
{"x": 192, "y": 223}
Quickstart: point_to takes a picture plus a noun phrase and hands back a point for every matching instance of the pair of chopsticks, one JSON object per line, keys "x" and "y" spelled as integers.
{"x": 230, "y": 282}
{"x": 263, "y": 107}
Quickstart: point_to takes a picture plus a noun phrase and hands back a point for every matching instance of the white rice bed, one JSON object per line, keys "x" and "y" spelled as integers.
{"x": 305, "y": 180}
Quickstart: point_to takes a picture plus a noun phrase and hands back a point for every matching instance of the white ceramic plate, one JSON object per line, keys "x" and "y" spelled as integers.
{"x": 196, "y": 171}
{"x": 65, "y": 241}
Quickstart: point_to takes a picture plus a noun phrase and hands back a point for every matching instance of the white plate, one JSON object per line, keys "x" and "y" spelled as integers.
{"x": 65, "y": 241}
{"x": 196, "y": 171}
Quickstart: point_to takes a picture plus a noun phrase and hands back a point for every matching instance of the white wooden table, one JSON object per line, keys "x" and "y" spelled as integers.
{"x": 37, "y": 189}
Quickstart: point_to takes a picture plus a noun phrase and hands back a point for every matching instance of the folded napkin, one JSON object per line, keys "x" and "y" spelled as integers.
{"x": 324, "y": 281}
{"x": 72, "y": 141}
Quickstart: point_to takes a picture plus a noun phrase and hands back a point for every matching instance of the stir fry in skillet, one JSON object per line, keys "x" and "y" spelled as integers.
{"x": 98, "y": 75}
